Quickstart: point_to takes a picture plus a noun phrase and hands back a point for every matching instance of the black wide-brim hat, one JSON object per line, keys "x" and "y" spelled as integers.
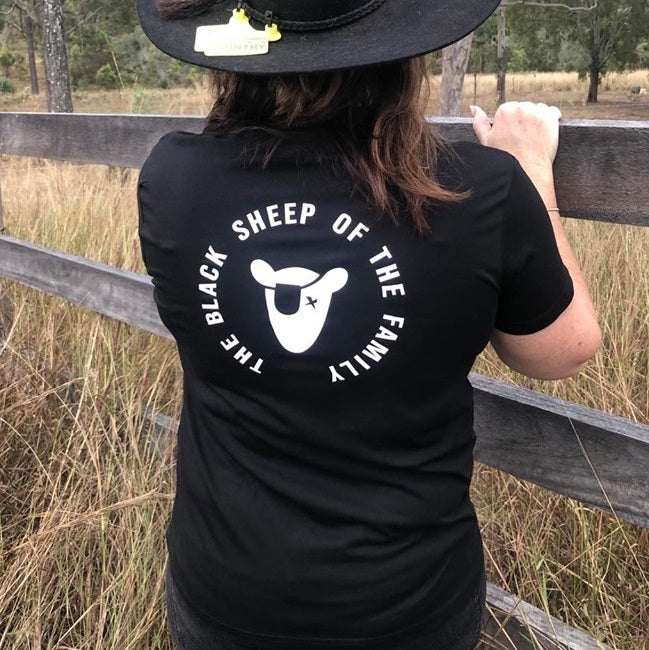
{"x": 322, "y": 35}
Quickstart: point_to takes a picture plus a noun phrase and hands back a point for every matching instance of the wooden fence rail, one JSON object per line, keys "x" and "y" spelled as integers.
{"x": 599, "y": 459}
{"x": 601, "y": 172}
{"x": 601, "y": 167}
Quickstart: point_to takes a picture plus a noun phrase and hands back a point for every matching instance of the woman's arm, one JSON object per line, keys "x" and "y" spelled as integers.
{"x": 530, "y": 132}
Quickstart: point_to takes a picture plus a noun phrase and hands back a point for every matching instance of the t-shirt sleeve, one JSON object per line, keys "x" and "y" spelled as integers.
{"x": 159, "y": 228}
{"x": 156, "y": 231}
{"x": 535, "y": 285}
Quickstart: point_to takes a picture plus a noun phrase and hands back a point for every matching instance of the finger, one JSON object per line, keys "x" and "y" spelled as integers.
{"x": 481, "y": 124}
{"x": 549, "y": 110}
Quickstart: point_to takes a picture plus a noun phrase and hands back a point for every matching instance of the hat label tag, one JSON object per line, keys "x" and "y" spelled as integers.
{"x": 237, "y": 38}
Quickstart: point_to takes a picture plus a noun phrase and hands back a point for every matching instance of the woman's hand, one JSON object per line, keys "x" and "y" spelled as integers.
{"x": 530, "y": 132}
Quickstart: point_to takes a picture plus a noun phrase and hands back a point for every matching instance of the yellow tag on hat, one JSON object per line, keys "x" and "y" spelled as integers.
{"x": 273, "y": 32}
{"x": 237, "y": 38}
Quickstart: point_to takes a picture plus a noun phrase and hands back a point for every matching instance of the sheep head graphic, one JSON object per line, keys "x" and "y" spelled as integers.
{"x": 298, "y": 301}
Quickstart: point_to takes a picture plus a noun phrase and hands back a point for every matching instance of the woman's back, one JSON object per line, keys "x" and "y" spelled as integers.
{"x": 325, "y": 448}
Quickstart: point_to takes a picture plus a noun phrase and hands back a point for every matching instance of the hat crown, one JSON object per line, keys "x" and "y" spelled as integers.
{"x": 318, "y": 14}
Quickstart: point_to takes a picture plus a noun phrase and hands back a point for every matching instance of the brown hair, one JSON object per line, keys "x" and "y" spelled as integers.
{"x": 172, "y": 9}
{"x": 373, "y": 117}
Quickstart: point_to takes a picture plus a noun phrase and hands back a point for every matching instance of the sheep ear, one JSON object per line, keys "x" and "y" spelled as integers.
{"x": 264, "y": 274}
{"x": 335, "y": 279}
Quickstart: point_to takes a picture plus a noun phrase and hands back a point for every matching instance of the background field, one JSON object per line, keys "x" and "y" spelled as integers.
{"x": 85, "y": 491}
{"x": 564, "y": 89}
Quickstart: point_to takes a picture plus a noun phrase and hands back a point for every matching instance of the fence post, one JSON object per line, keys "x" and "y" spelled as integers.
{"x": 6, "y": 311}
{"x": 2, "y": 225}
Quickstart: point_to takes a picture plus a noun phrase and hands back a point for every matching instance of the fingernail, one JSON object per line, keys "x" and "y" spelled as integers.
{"x": 472, "y": 109}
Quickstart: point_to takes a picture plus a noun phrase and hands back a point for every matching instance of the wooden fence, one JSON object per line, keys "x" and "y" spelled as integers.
{"x": 602, "y": 173}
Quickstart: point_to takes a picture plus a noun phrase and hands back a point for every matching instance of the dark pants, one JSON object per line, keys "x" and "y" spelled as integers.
{"x": 191, "y": 632}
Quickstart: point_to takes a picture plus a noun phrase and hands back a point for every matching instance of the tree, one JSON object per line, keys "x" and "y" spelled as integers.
{"x": 535, "y": 35}
{"x": 606, "y": 32}
{"x": 556, "y": 19}
{"x": 107, "y": 47}
{"x": 28, "y": 18}
{"x": 55, "y": 57}
{"x": 454, "y": 64}
{"x": 95, "y": 31}
{"x": 610, "y": 34}
{"x": 28, "y": 28}
{"x": 25, "y": 27}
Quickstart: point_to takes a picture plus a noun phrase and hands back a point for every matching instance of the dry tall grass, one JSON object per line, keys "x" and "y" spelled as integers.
{"x": 85, "y": 494}
{"x": 564, "y": 89}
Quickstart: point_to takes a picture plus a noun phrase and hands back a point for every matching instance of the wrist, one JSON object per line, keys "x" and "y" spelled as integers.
{"x": 538, "y": 168}
{"x": 542, "y": 177}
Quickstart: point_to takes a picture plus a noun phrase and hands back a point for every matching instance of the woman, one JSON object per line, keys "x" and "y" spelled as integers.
{"x": 330, "y": 270}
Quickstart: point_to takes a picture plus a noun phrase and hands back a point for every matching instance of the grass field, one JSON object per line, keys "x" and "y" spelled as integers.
{"x": 85, "y": 497}
{"x": 564, "y": 89}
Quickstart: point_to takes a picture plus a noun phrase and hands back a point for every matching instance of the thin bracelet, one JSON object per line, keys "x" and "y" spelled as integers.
{"x": 553, "y": 210}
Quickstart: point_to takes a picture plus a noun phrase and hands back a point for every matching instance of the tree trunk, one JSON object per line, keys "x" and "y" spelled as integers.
{"x": 596, "y": 51}
{"x": 31, "y": 57}
{"x": 502, "y": 56}
{"x": 455, "y": 59}
{"x": 55, "y": 58}
{"x": 594, "y": 72}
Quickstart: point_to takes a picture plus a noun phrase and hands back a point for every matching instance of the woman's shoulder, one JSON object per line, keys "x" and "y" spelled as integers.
{"x": 177, "y": 142}
{"x": 472, "y": 166}
{"x": 182, "y": 153}
{"x": 474, "y": 154}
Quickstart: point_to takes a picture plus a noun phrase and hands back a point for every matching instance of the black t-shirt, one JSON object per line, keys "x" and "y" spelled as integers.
{"x": 325, "y": 442}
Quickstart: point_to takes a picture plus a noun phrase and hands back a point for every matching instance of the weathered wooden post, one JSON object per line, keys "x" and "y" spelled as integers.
{"x": 502, "y": 55}
{"x": 455, "y": 59}
{"x": 6, "y": 312}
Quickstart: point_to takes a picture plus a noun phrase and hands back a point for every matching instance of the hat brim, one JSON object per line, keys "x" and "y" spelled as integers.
{"x": 396, "y": 30}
